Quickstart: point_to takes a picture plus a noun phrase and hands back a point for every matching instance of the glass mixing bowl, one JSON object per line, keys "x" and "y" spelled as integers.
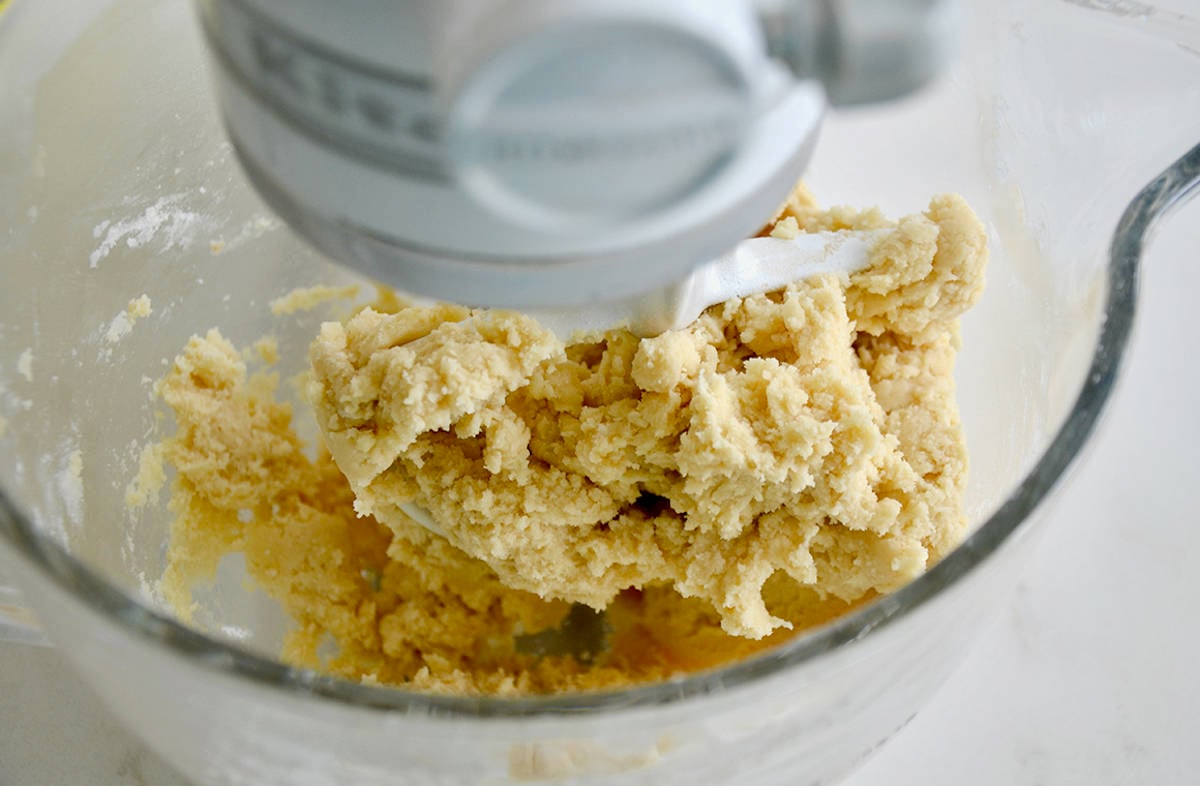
{"x": 115, "y": 181}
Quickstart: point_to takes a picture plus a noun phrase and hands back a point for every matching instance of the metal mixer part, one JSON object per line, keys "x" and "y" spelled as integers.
{"x": 862, "y": 51}
{"x": 524, "y": 153}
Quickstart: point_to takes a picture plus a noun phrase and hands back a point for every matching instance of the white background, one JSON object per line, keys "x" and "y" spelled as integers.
{"x": 1088, "y": 675}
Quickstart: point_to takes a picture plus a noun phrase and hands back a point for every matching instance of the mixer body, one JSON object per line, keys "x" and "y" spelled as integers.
{"x": 540, "y": 152}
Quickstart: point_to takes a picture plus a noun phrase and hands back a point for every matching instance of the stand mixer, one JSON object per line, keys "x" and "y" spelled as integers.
{"x": 575, "y": 159}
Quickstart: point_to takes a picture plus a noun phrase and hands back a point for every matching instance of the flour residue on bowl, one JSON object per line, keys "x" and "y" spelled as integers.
{"x": 25, "y": 364}
{"x": 308, "y": 298}
{"x": 69, "y": 482}
{"x": 166, "y": 218}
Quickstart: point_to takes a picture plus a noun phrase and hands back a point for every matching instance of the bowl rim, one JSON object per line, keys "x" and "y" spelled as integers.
{"x": 87, "y": 587}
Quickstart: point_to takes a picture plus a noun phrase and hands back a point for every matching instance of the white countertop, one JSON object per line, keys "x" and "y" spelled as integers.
{"x": 1086, "y": 677}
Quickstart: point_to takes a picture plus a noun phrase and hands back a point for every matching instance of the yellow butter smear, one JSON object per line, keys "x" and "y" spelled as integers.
{"x": 715, "y": 489}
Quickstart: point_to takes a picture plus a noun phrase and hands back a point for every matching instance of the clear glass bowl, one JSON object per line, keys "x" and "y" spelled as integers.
{"x": 115, "y": 181}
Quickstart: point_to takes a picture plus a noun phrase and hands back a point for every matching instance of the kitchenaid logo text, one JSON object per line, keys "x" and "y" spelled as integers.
{"x": 338, "y": 91}
{"x": 374, "y": 114}
{"x": 386, "y": 117}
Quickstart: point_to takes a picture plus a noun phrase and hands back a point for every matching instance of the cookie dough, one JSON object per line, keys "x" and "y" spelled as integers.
{"x": 810, "y": 432}
{"x": 714, "y": 489}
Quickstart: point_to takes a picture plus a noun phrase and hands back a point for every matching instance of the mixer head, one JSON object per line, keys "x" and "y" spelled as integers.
{"x": 523, "y": 153}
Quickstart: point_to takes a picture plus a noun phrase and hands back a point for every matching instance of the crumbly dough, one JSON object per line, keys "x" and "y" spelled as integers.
{"x": 149, "y": 480}
{"x": 137, "y": 309}
{"x": 766, "y": 469}
{"x": 403, "y": 606}
{"x": 810, "y": 432}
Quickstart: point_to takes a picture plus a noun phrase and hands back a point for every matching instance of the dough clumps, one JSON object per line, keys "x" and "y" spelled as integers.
{"x": 402, "y": 606}
{"x": 778, "y": 462}
{"x": 802, "y": 443}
